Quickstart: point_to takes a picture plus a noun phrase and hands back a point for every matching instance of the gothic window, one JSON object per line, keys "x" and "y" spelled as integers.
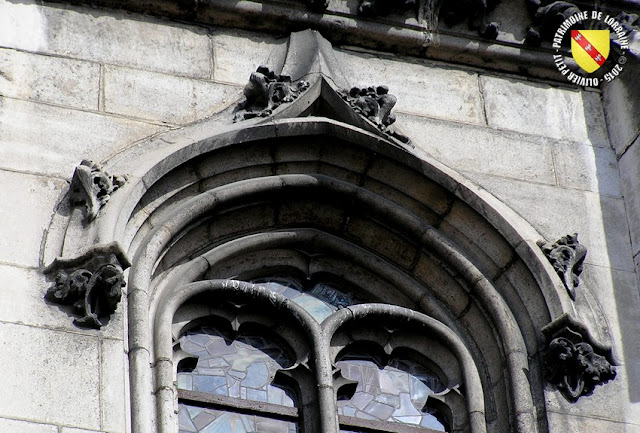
{"x": 239, "y": 374}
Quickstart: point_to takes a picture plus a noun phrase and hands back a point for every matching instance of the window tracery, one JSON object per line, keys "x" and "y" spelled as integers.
{"x": 229, "y": 378}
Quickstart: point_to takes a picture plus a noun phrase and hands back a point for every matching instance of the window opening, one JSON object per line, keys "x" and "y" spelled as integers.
{"x": 226, "y": 381}
{"x": 230, "y": 388}
{"x": 395, "y": 392}
{"x": 321, "y": 300}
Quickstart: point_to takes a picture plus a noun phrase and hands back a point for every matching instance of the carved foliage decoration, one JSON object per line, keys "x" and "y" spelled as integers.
{"x": 92, "y": 284}
{"x": 567, "y": 257}
{"x": 374, "y": 104}
{"x": 91, "y": 187}
{"x": 575, "y": 365}
{"x": 266, "y": 91}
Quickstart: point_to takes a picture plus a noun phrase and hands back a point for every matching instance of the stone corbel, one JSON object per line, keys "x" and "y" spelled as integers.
{"x": 91, "y": 283}
{"x": 91, "y": 187}
{"x": 566, "y": 255}
{"x": 575, "y": 364}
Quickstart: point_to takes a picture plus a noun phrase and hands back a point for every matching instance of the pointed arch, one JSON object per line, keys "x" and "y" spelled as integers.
{"x": 328, "y": 195}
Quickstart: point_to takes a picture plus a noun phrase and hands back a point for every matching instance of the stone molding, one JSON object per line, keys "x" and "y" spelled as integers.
{"x": 91, "y": 187}
{"x": 91, "y": 283}
{"x": 567, "y": 257}
{"x": 575, "y": 364}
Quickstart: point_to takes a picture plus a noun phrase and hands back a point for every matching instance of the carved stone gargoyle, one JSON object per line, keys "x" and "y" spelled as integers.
{"x": 91, "y": 284}
{"x": 567, "y": 257}
{"x": 374, "y": 104}
{"x": 91, "y": 187}
{"x": 265, "y": 91}
{"x": 574, "y": 363}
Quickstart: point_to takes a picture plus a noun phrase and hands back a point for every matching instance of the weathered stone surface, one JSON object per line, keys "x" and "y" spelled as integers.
{"x": 15, "y": 426}
{"x": 587, "y": 168}
{"x": 21, "y": 299}
{"x": 51, "y": 140}
{"x": 600, "y": 220}
{"x": 561, "y": 422}
{"x": 50, "y": 79}
{"x": 609, "y": 403}
{"x": 539, "y": 109}
{"x": 422, "y": 89}
{"x": 616, "y": 293}
{"x": 166, "y": 98}
{"x": 56, "y": 379}
{"x": 630, "y": 176}
{"x": 80, "y": 33}
{"x": 621, "y": 101}
{"x": 482, "y": 150}
{"x": 77, "y": 430}
{"x": 28, "y": 203}
{"x": 238, "y": 53}
{"x": 113, "y": 385}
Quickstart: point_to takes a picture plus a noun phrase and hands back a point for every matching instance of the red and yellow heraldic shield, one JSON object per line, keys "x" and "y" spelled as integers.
{"x": 590, "y": 48}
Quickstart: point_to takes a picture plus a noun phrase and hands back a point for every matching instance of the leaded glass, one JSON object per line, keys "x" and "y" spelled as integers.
{"x": 397, "y": 392}
{"x": 320, "y": 301}
{"x": 194, "y": 419}
{"x": 243, "y": 368}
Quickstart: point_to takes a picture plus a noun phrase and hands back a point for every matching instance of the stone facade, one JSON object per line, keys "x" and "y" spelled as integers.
{"x": 503, "y": 153}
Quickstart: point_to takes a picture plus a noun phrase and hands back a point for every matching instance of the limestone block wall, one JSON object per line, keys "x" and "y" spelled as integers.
{"x": 81, "y": 83}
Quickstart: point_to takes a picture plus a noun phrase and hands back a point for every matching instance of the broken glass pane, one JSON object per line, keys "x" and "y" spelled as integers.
{"x": 397, "y": 392}
{"x": 242, "y": 368}
{"x": 320, "y": 301}
{"x": 193, "y": 419}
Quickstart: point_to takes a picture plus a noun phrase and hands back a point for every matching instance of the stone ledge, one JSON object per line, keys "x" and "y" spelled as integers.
{"x": 398, "y": 37}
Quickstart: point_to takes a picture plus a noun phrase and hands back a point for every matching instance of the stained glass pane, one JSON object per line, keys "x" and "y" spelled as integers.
{"x": 243, "y": 368}
{"x": 192, "y": 419}
{"x": 320, "y": 301}
{"x": 395, "y": 393}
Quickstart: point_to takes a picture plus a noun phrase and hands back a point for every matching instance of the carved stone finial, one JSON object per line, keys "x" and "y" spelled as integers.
{"x": 91, "y": 284}
{"x": 374, "y": 104}
{"x": 567, "y": 256}
{"x": 266, "y": 91}
{"x": 91, "y": 187}
{"x": 376, "y": 8}
{"x": 575, "y": 364}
